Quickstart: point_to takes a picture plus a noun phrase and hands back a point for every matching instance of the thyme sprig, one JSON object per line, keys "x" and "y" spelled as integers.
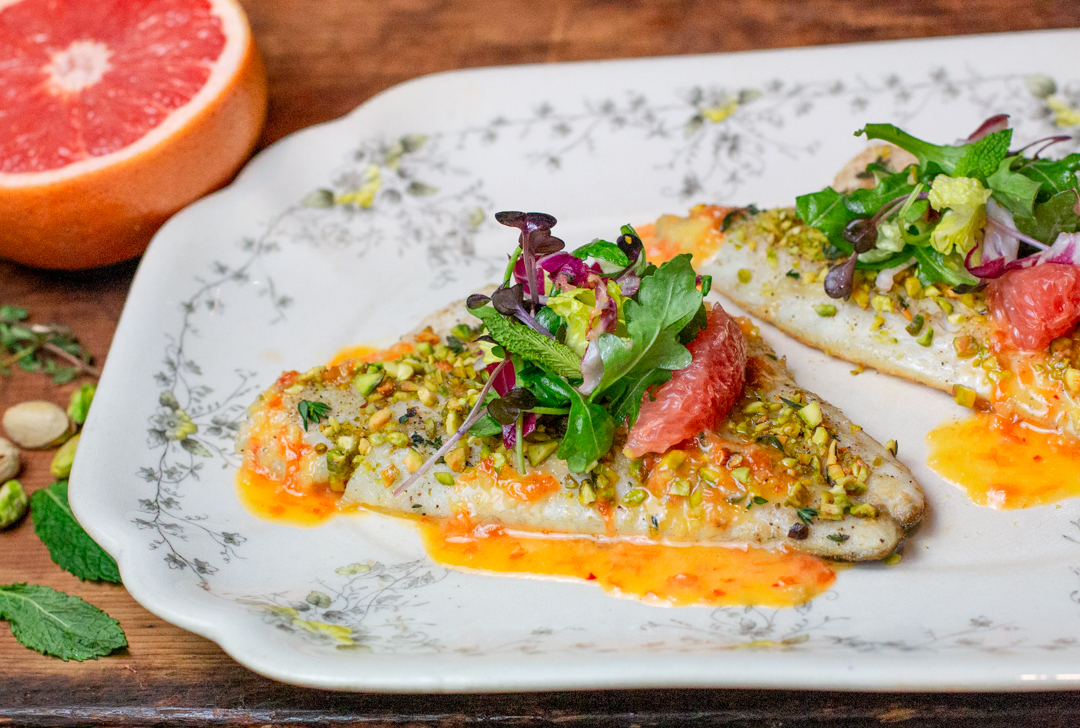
{"x": 47, "y": 348}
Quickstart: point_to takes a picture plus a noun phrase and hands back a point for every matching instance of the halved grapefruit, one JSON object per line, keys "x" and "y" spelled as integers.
{"x": 114, "y": 114}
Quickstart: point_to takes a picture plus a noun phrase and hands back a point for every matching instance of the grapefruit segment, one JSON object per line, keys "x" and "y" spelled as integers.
{"x": 113, "y": 116}
{"x": 698, "y": 396}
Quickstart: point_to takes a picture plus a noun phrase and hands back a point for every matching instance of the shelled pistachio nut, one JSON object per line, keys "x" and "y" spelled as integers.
{"x": 37, "y": 424}
{"x": 63, "y": 459}
{"x": 13, "y": 503}
{"x": 9, "y": 459}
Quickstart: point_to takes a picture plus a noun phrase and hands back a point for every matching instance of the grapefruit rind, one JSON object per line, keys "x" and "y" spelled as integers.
{"x": 102, "y": 210}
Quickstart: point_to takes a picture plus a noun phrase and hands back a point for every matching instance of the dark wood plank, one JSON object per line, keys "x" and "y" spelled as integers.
{"x": 323, "y": 59}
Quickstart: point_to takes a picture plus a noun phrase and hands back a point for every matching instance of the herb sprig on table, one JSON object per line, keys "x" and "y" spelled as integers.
{"x": 50, "y": 621}
{"x": 48, "y": 348}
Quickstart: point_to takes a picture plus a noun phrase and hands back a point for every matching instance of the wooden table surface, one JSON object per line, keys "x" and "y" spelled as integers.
{"x": 324, "y": 57}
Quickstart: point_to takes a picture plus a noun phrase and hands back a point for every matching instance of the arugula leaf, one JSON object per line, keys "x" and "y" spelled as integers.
{"x": 1054, "y": 216}
{"x": 976, "y": 159}
{"x": 1055, "y": 175}
{"x": 486, "y": 426}
{"x": 1012, "y": 190}
{"x": 826, "y": 211}
{"x": 548, "y": 390}
{"x": 627, "y": 405}
{"x": 864, "y": 203}
{"x": 696, "y": 325}
{"x": 602, "y": 250}
{"x": 58, "y": 624}
{"x": 312, "y": 413}
{"x": 590, "y": 430}
{"x": 667, "y": 301}
{"x": 69, "y": 545}
{"x": 937, "y": 268}
{"x": 531, "y": 345}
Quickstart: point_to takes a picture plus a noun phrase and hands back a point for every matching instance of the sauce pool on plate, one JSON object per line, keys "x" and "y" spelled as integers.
{"x": 1004, "y": 464}
{"x": 286, "y": 488}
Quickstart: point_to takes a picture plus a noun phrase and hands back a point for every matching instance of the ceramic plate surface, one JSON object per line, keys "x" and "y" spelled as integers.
{"x": 352, "y": 231}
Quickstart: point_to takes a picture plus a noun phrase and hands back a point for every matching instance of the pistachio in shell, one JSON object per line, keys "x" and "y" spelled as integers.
{"x": 9, "y": 460}
{"x": 37, "y": 424}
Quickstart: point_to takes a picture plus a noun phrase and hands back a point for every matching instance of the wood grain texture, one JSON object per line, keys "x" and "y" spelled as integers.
{"x": 324, "y": 58}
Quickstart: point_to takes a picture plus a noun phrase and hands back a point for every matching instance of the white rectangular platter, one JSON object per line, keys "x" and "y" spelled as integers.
{"x": 271, "y": 274}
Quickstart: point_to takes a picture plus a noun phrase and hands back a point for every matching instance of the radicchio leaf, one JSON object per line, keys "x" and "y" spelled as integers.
{"x": 606, "y": 318}
{"x": 990, "y": 126}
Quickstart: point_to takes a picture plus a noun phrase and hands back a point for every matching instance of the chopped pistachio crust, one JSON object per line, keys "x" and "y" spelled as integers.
{"x": 772, "y": 266}
{"x": 786, "y": 468}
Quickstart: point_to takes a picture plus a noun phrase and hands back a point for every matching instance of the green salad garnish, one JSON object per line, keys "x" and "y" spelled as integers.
{"x": 962, "y": 214}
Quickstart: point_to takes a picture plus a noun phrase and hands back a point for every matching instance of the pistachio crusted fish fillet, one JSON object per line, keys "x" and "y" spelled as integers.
{"x": 785, "y": 468}
{"x": 772, "y": 266}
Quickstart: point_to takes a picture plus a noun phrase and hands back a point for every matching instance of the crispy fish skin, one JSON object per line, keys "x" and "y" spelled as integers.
{"x": 553, "y": 499}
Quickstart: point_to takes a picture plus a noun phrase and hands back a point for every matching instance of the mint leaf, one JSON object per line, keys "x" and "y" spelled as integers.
{"x": 1013, "y": 191}
{"x": 531, "y": 345}
{"x": 602, "y": 250}
{"x": 58, "y": 624}
{"x": 69, "y": 545}
{"x": 1052, "y": 217}
{"x": 590, "y": 430}
{"x": 981, "y": 158}
{"x": 977, "y": 159}
{"x": 667, "y": 301}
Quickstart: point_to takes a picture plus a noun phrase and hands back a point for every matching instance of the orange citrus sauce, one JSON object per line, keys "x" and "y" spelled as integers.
{"x": 527, "y": 488}
{"x": 284, "y": 503}
{"x": 278, "y": 481}
{"x": 668, "y": 237}
{"x": 368, "y": 354}
{"x": 1002, "y": 464}
{"x": 288, "y": 494}
{"x": 660, "y": 573}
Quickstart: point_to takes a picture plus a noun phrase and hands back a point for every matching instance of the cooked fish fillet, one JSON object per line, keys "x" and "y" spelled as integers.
{"x": 730, "y": 485}
{"x": 770, "y": 265}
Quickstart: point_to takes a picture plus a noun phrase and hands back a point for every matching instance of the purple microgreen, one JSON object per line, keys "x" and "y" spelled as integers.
{"x": 509, "y": 302}
{"x": 544, "y": 243}
{"x": 862, "y": 234}
{"x": 509, "y": 406}
{"x": 475, "y": 414}
{"x": 992, "y": 125}
{"x": 476, "y": 300}
{"x": 535, "y": 230}
{"x": 1045, "y": 142}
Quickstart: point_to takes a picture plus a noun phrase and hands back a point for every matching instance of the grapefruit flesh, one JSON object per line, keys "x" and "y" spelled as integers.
{"x": 697, "y": 397}
{"x": 1038, "y": 304}
{"x": 113, "y": 116}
